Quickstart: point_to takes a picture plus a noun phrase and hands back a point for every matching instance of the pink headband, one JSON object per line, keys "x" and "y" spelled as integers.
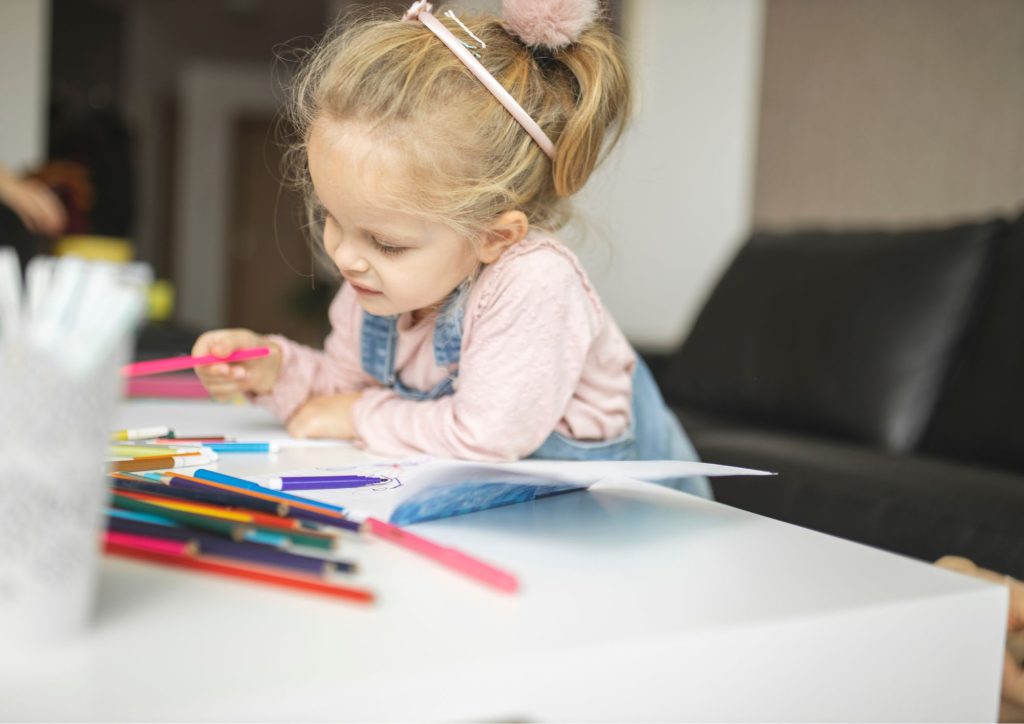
{"x": 420, "y": 10}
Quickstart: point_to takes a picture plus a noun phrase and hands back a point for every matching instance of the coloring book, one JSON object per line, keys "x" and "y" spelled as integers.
{"x": 425, "y": 488}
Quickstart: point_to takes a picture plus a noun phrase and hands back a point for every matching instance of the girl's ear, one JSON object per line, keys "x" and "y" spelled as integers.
{"x": 507, "y": 229}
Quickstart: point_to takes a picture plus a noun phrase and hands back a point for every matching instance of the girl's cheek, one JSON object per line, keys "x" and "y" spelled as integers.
{"x": 330, "y": 240}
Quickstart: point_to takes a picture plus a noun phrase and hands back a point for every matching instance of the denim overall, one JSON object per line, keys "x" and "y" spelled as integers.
{"x": 654, "y": 432}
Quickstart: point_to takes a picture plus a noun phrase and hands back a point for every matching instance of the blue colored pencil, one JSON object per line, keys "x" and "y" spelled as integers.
{"x": 216, "y": 477}
{"x": 240, "y": 498}
{"x": 301, "y": 514}
{"x": 241, "y": 447}
{"x": 141, "y": 517}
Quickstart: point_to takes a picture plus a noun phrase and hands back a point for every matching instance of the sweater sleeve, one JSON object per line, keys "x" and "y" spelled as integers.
{"x": 307, "y": 372}
{"x": 528, "y": 334}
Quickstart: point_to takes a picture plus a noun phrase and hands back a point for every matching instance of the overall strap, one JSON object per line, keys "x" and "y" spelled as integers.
{"x": 380, "y": 337}
{"x": 448, "y": 331}
{"x": 377, "y": 347}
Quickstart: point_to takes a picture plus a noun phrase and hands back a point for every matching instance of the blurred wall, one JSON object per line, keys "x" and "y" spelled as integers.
{"x": 667, "y": 210}
{"x": 24, "y": 59}
{"x": 894, "y": 111}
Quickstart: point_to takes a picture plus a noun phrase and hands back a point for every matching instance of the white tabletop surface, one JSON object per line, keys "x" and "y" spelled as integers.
{"x": 637, "y": 603}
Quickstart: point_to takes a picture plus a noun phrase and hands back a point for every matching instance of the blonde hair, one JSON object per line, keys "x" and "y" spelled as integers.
{"x": 470, "y": 160}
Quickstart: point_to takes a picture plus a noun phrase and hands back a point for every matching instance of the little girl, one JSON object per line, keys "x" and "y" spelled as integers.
{"x": 438, "y": 156}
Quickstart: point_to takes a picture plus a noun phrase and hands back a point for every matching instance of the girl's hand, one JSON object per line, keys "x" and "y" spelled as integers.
{"x": 224, "y": 381}
{"x": 327, "y": 416}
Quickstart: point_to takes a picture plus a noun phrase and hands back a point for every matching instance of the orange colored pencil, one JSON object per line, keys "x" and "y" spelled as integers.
{"x": 211, "y": 564}
{"x": 158, "y": 462}
{"x": 219, "y": 511}
{"x": 148, "y": 456}
{"x": 312, "y": 507}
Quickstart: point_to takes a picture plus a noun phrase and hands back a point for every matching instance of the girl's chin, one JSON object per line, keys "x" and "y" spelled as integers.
{"x": 378, "y": 304}
{"x": 383, "y": 307}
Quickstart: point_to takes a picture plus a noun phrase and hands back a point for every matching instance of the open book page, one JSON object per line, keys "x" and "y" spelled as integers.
{"x": 425, "y": 488}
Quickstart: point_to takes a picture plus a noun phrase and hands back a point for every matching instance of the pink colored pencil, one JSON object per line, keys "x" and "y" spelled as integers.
{"x": 148, "y": 543}
{"x": 456, "y": 560}
{"x": 172, "y": 364}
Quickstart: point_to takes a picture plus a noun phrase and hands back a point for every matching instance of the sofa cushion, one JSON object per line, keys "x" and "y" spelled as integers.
{"x": 916, "y": 505}
{"x": 840, "y": 333}
{"x": 979, "y": 414}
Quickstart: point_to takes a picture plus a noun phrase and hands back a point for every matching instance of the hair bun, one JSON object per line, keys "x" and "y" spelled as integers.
{"x": 548, "y": 23}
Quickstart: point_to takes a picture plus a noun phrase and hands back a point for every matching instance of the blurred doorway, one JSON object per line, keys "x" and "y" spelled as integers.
{"x": 271, "y": 287}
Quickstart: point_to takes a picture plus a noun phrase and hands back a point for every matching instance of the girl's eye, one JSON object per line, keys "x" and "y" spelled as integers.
{"x": 386, "y": 249}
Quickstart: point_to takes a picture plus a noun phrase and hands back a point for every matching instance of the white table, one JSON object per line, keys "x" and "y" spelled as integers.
{"x": 638, "y": 603}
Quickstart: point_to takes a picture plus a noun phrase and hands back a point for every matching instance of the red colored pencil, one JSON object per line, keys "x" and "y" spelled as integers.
{"x": 158, "y": 546}
{"x": 211, "y": 564}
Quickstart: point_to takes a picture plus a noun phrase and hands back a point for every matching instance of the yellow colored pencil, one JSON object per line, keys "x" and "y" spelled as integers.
{"x": 140, "y": 433}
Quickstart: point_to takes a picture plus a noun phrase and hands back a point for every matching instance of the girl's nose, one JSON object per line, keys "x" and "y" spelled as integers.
{"x": 348, "y": 258}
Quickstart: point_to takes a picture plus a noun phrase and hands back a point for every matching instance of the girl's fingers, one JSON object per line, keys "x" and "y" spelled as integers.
{"x": 222, "y": 386}
{"x": 222, "y": 343}
{"x": 223, "y": 393}
{"x": 222, "y": 371}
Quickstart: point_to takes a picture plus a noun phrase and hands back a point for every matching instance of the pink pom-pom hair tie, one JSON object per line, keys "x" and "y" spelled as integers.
{"x": 550, "y": 24}
{"x": 420, "y": 10}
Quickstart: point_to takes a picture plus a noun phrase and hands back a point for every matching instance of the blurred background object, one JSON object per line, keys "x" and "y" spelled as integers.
{"x": 751, "y": 113}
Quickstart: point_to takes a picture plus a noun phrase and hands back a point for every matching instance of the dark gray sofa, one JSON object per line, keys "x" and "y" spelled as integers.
{"x": 880, "y": 373}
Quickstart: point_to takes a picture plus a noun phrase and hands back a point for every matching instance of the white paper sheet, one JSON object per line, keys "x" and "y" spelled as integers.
{"x": 425, "y": 488}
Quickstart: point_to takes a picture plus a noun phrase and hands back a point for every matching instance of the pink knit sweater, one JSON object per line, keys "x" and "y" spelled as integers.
{"x": 539, "y": 353}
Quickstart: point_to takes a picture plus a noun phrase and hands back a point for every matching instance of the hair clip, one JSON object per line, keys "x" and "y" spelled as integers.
{"x": 420, "y": 11}
{"x": 472, "y": 48}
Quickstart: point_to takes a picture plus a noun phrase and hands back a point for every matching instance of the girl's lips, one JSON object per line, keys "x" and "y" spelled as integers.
{"x": 363, "y": 290}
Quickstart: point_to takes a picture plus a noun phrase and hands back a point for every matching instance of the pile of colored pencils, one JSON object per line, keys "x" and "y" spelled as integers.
{"x": 211, "y": 521}
{"x": 221, "y": 524}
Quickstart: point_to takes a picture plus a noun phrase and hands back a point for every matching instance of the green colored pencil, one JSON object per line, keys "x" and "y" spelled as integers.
{"x": 235, "y": 531}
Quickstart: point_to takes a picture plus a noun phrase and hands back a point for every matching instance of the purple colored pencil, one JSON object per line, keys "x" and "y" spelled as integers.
{"x": 328, "y": 484}
{"x": 309, "y": 516}
{"x": 330, "y": 476}
{"x": 256, "y": 553}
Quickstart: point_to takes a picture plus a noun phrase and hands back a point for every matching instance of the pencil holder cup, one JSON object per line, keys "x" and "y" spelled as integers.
{"x": 54, "y": 426}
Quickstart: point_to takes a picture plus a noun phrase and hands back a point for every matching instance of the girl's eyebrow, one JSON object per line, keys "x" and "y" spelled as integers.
{"x": 384, "y": 236}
